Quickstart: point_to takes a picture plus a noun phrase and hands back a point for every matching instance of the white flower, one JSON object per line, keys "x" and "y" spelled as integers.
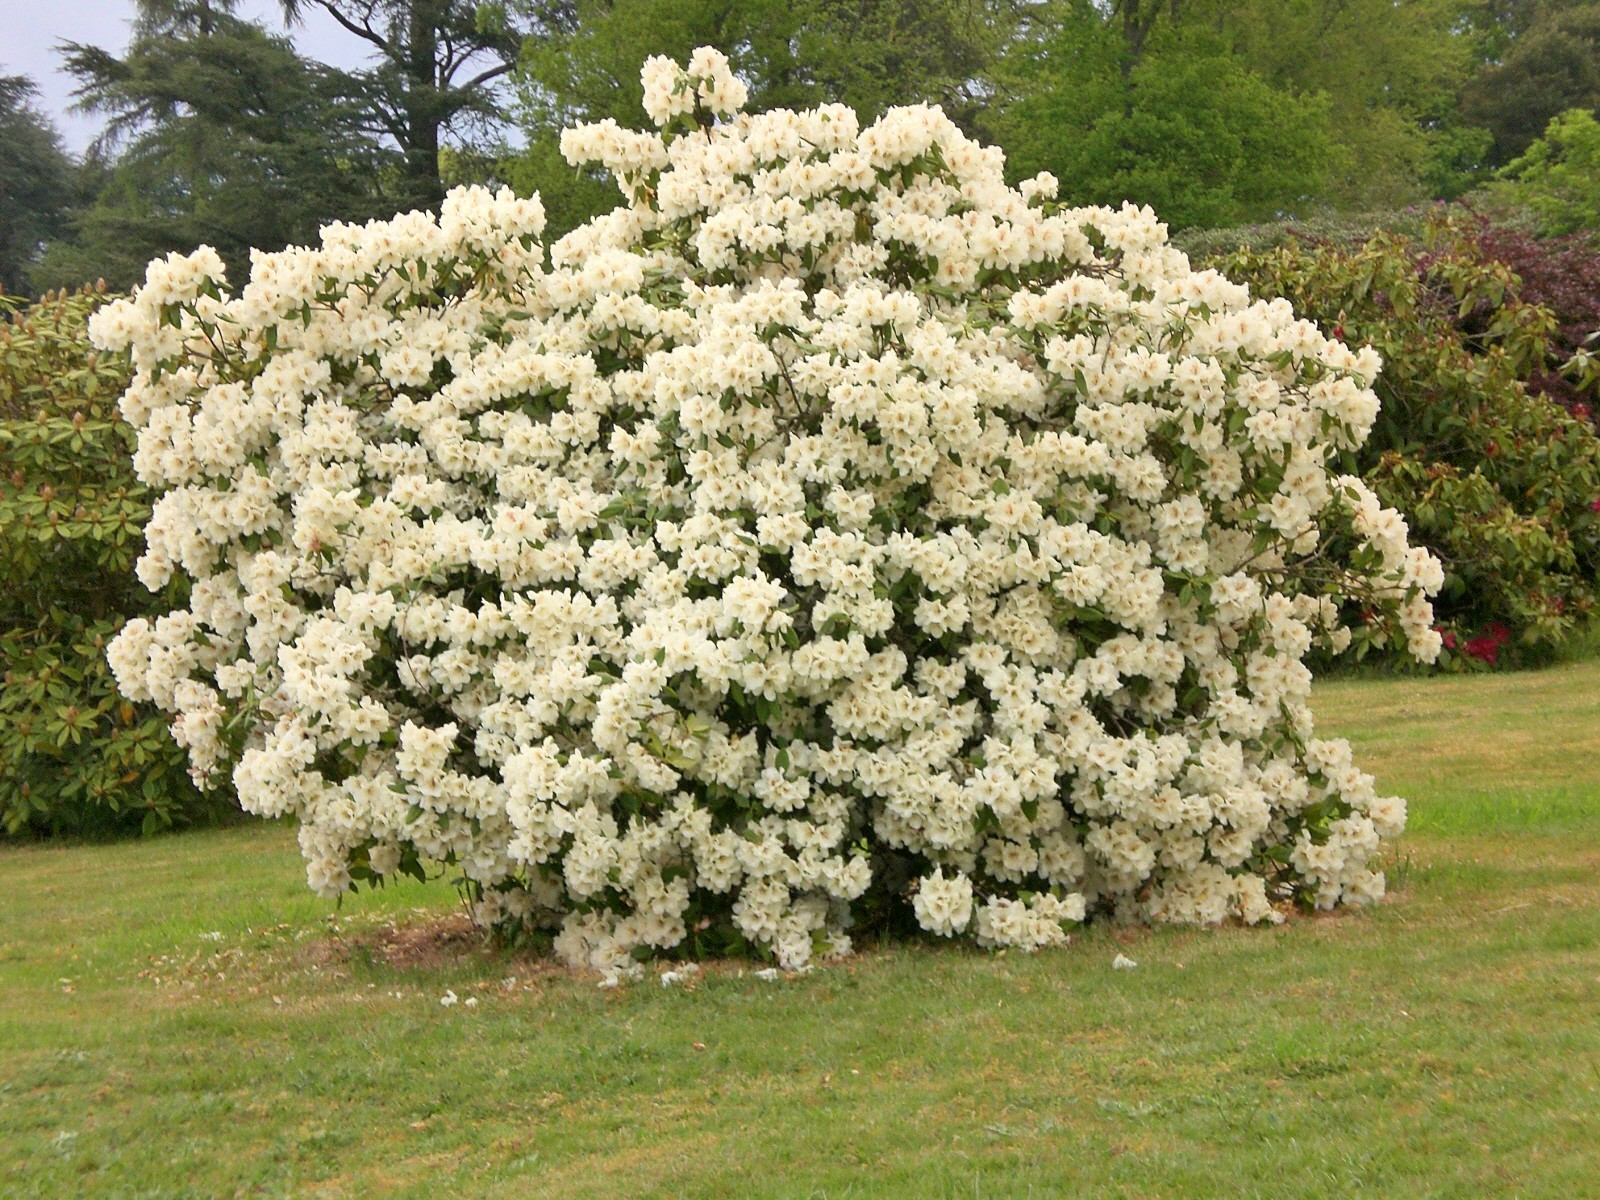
{"x": 943, "y": 905}
{"x": 828, "y": 498}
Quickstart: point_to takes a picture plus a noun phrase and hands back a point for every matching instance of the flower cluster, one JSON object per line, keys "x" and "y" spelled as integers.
{"x": 828, "y": 531}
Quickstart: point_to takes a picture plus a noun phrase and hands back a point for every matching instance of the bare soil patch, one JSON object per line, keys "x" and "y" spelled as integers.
{"x": 423, "y": 945}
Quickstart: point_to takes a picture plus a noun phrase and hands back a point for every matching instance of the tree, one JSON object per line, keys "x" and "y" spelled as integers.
{"x": 1558, "y": 177}
{"x": 217, "y": 133}
{"x": 35, "y": 181}
{"x": 1391, "y": 73}
{"x": 1250, "y": 107}
{"x": 1491, "y": 26}
{"x": 1139, "y": 102}
{"x": 436, "y": 62}
{"x": 1552, "y": 66}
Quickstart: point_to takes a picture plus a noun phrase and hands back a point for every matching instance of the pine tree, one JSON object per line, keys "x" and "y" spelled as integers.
{"x": 436, "y": 64}
{"x": 35, "y": 181}
{"x": 217, "y": 133}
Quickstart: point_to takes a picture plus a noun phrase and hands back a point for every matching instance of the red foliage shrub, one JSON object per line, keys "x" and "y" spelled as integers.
{"x": 1561, "y": 274}
{"x": 1496, "y": 479}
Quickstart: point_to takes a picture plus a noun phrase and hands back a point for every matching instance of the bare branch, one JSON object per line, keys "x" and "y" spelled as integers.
{"x": 362, "y": 29}
{"x": 484, "y": 77}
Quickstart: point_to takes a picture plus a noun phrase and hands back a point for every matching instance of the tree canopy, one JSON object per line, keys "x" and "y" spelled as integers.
{"x": 1549, "y": 64}
{"x": 216, "y": 133}
{"x": 1130, "y": 103}
{"x": 1214, "y": 112}
{"x": 35, "y": 181}
{"x": 1558, "y": 177}
{"x": 1389, "y": 72}
{"x": 435, "y": 62}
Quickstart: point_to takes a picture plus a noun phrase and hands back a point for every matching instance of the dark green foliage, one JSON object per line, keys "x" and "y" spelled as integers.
{"x": 1225, "y": 111}
{"x": 1500, "y": 482}
{"x": 1549, "y": 64}
{"x": 1173, "y": 120}
{"x": 1389, "y": 72}
{"x": 217, "y": 134}
{"x": 35, "y": 181}
{"x": 434, "y": 66}
{"x": 75, "y": 757}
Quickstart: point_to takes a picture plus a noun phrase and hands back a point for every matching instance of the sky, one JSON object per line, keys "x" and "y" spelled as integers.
{"x": 30, "y": 29}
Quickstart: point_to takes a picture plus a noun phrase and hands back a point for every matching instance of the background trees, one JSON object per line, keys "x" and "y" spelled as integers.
{"x": 1215, "y": 112}
{"x": 216, "y": 133}
{"x": 35, "y": 181}
{"x": 434, "y": 66}
{"x": 1557, "y": 178}
{"x": 1143, "y": 103}
{"x": 1224, "y": 111}
{"x": 1540, "y": 59}
{"x": 1389, "y": 75}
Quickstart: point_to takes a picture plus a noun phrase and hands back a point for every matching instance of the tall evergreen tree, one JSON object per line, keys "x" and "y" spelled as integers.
{"x": 435, "y": 66}
{"x": 35, "y": 181}
{"x": 216, "y": 133}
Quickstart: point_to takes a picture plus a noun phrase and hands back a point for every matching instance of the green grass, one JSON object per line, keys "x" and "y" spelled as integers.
{"x": 1444, "y": 1044}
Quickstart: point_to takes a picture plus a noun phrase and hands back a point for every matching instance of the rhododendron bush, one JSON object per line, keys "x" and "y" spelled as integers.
{"x": 830, "y": 529}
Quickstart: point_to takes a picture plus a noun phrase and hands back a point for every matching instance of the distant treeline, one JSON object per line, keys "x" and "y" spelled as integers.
{"x": 1215, "y": 112}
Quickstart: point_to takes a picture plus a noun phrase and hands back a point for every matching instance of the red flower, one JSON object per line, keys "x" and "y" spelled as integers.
{"x": 1486, "y": 646}
{"x": 1594, "y": 505}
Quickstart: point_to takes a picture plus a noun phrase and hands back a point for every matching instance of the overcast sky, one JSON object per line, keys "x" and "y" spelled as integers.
{"x": 30, "y": 29}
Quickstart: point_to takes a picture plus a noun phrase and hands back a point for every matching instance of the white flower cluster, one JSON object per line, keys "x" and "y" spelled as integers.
{"x": 830, "y": 531}
{"x": 671, "y": 91}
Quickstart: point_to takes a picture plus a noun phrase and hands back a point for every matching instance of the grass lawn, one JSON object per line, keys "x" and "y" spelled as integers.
{"x": 181, "y": 1018}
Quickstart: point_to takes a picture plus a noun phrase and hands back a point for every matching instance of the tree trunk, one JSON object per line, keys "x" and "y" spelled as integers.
{"x": 422, "y": 90}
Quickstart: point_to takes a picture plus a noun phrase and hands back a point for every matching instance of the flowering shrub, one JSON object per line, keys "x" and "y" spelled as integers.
{"x": 830, "y": 530}
{"x": 1562, "y": 275}
{"x": 75, "y": 757}
{"x": 1499, "y": 481}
